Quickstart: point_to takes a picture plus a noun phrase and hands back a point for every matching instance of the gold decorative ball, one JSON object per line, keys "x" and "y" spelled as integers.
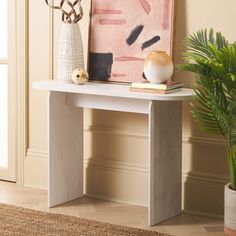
{"x": 80, "y": 76}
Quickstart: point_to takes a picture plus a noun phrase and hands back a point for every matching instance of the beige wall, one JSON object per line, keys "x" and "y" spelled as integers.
{"x": 116, "y": 143}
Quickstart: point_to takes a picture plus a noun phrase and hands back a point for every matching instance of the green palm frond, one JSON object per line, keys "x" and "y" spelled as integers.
{"x": 199, "y": 44}
{"x": 207, "y": 114}
{"x": 213, "y": 59}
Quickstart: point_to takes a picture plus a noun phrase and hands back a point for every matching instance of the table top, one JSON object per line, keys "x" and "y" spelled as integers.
{"x": 110, "y": 90}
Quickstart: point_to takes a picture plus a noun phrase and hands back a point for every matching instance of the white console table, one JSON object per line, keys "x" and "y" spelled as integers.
{"x": 65, "y": 110}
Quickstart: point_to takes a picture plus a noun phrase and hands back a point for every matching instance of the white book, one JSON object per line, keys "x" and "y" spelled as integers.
{"x": 162, "y": 86}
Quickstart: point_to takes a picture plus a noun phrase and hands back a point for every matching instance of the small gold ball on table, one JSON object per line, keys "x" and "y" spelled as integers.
{"x": 80, "y": 76}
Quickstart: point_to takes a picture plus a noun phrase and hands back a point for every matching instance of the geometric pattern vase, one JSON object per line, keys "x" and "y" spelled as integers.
{"x": 70, "y": 56}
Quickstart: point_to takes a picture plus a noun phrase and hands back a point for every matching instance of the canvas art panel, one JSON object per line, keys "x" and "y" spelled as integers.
{"x": 123, "y": 33}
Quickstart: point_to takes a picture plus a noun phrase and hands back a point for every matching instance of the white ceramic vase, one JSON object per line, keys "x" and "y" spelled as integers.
{"x": 70, "y": 56}
{"x": 158, "y": 67}
{"x": 230, "y": 211}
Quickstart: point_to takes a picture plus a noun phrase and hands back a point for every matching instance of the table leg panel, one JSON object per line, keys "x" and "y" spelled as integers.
{"x": 165, "y": 160}
{"x": 65, "y": 150}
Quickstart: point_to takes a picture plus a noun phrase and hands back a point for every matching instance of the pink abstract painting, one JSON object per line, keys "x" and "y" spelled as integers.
{"x": 123, "y": 33}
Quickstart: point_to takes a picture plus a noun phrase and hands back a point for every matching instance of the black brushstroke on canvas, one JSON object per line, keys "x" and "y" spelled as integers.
{"x": 150, "y": 42}
{"x": 143, "y": 75}
{"x": 100, "y": 65}
{"x": 134, "y": 34}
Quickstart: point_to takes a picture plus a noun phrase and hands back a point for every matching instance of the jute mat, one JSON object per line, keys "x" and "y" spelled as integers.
{"x": 20, "y": 221}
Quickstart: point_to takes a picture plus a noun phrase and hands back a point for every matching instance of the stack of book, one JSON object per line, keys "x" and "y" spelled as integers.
{"x": 162, "y": 88}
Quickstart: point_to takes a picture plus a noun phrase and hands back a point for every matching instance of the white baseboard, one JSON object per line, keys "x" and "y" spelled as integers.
{"x": 115, "y": 200}
{"x": 198, "y": 213}
{"x": 35, "y": 174}
{"x": 35, "y": 169}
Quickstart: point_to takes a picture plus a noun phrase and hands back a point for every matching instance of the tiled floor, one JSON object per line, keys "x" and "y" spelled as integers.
{"x": 117, "y": 213}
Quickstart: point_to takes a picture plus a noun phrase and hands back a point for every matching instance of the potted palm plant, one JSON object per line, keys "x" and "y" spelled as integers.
{"x": 213, "y": 60}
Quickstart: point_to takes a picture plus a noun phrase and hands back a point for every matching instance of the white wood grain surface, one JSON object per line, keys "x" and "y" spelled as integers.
{"x": 165, "y": 160}
{"x": 66, "y": 103}
{"x": 110, "y": 90}
{"x": 65, "y": 150}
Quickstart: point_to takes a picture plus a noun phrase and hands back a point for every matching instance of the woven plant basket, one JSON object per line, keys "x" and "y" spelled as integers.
{"x": 71, "y": 54}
